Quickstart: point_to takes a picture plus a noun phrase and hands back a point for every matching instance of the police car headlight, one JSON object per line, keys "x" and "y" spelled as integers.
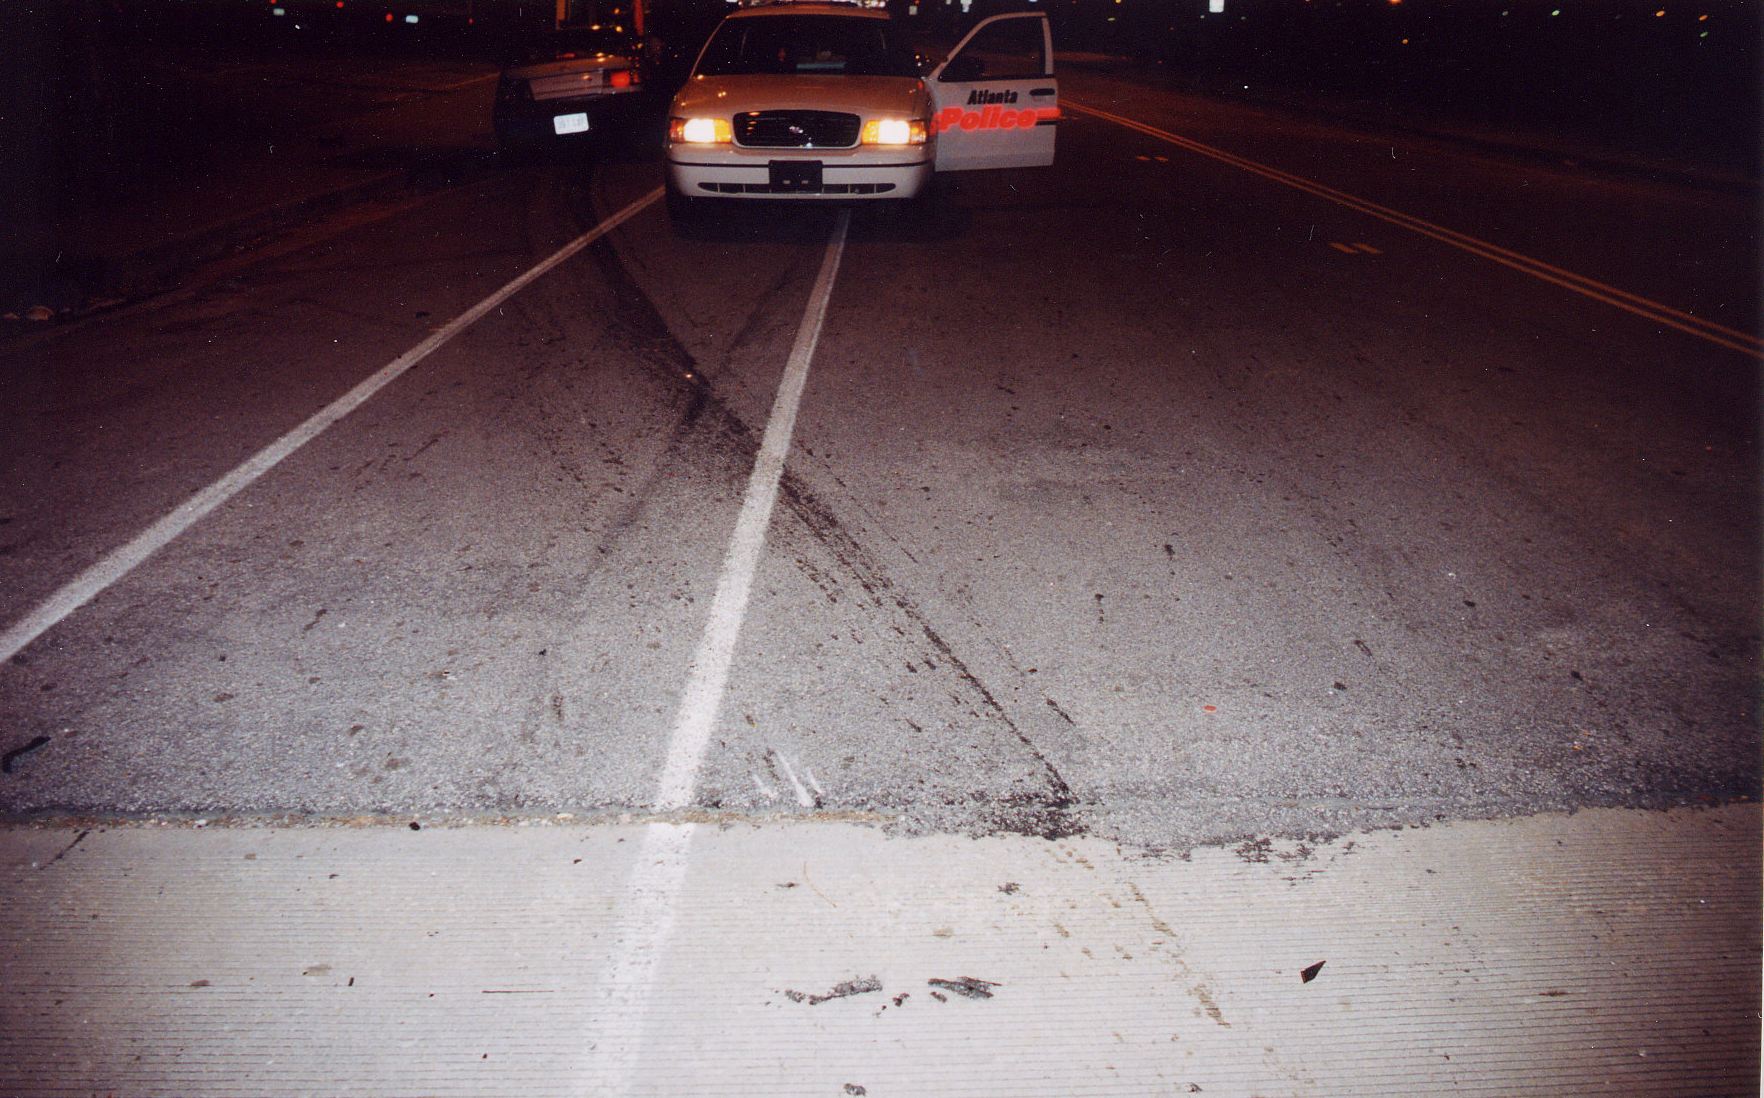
{"x": 894, "y": 131}
{"x": 700, "y": 131}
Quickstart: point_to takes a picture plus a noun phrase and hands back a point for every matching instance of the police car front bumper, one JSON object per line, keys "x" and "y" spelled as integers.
{"x": 696, "y": 172}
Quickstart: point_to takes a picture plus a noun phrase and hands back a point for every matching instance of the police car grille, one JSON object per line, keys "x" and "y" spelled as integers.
{"x": 797, "y": 129}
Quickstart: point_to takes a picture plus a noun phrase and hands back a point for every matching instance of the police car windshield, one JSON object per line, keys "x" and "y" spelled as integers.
{"x": 827, "y": 45}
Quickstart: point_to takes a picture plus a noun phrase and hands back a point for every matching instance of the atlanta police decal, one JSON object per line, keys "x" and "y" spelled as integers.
{"x": 997, "y": 110}
{"x": 982, "y": 97}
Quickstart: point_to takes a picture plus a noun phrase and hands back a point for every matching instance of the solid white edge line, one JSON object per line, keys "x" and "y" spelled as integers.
{"x": 121, "y": 561}
{"x": 640, "y": 935}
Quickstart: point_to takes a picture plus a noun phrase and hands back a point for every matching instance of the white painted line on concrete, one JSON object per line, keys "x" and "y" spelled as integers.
{"x": 1520, "y": 958}
{"x": 623, "y": 992}
{"x": 120, "y": 562}
{"x": 618, "y": 1011}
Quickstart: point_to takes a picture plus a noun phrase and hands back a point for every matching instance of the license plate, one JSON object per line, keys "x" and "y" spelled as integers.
{"x": 570, "y": 123}
{"x": 795, "y": 175}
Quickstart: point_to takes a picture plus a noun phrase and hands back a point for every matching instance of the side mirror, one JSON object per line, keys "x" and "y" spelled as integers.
{"x": 962, "y": 69}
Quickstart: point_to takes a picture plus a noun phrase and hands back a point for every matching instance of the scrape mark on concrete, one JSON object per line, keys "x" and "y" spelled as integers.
{"x": 860, "y": 985}
{"x": 968, "y": 987}
{"x": 1195, "y": 986}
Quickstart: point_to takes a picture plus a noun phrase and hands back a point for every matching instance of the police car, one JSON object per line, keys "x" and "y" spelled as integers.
{"x": 568, "y": 85}
{"x": 816, "y": 101}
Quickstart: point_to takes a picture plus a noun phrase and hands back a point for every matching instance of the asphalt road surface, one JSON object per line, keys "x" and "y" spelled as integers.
{"x": 1153, "y": 496}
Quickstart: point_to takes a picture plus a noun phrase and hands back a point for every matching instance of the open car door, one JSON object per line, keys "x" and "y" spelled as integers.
{"x": 995, "y": 101}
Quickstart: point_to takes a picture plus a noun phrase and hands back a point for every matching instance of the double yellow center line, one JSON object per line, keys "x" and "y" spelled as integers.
{"x": 1722, "y": 336}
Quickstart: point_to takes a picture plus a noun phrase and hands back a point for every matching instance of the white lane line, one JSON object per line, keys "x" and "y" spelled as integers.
{"x": 716, "y": 649}
{"x": 640, "y": 936}
{"x": 469, "y": 81}
{"x": 1747, "y": 343}
{"x": 120, "y": 562}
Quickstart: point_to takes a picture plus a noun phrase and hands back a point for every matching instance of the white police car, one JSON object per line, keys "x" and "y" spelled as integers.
{"x": 815, "y": 101}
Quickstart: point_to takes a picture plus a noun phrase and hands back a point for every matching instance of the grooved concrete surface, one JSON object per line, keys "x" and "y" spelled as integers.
{"x": 1611, "y": 951}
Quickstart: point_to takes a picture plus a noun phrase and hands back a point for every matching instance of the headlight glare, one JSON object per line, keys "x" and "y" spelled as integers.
{"x": 894, "y": 131}
{"x": 700, "y": 131}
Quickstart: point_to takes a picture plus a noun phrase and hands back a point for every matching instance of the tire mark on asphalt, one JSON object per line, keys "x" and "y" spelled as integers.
{"x": 638, "y": 325}
{"x": 755, "y": 321}
{"x": 1051, "y": 814}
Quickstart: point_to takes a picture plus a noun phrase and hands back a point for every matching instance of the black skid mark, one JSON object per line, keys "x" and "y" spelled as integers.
{"x": 639, "y": 325}
{"x": 755, "y": 321}
{"x": 17, "y": 753}
{"x": 62, "y": 853}
{"x": 722, "y": 442}
{"x": 1050, "y": 815}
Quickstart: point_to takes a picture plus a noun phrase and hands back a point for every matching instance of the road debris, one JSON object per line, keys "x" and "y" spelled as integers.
{"x": 857, "y": 986}
{"x": 968, "y": 987}
{"x": 1310, "y": 973}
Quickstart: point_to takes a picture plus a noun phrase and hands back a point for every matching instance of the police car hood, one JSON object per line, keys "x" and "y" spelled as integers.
{"x": 868, "y": 96}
